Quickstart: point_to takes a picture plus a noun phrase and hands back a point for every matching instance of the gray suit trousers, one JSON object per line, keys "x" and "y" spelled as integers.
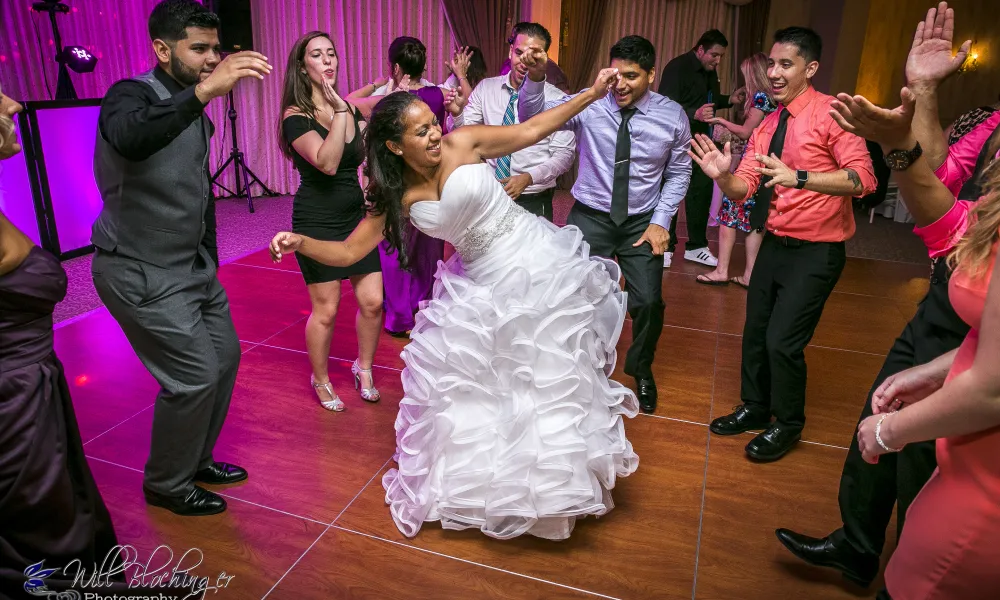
{"x": 179, "y": 325}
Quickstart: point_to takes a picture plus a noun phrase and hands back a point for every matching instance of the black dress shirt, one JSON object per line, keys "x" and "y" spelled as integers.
{"x": 138, "y": 124}
{"x": 685, "y": 81}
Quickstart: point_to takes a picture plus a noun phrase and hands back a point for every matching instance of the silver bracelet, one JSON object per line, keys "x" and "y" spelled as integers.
{"x": 878, "y": 435}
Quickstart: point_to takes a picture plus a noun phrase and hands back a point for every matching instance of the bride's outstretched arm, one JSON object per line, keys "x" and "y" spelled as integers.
{"x": 494, "y": 142}
{"x": 365, "y": 237}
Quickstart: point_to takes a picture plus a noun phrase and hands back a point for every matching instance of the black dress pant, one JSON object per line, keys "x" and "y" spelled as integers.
{"x": 643, "y": 273}
{"x": 539, "y": 204}
{"x": 868, "y": 492}
{"x": 791, "y": 281}
{"x": 697, "y": 203}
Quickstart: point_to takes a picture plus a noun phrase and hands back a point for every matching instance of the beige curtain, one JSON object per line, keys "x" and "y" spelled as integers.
{"x": 673, "y": 26}
{"x": 578, "y": 54}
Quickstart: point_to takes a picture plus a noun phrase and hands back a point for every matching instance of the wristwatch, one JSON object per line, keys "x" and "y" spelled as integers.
{"x": 801, "y": 176}
{"x": 900, "y": 160}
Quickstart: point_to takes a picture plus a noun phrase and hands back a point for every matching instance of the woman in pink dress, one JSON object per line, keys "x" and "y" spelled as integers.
{"x": 949, "y": 547}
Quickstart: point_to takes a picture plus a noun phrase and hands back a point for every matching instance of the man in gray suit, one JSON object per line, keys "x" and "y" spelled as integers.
{"x": 156, "y": 258}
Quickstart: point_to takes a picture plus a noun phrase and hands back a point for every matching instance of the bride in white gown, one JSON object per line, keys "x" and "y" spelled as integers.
{"x": 509, "y": 422}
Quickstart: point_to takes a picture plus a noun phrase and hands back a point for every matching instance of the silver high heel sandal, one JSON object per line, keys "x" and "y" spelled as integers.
{"x": 334, "y": 403}
{"x": 367, "y": 394}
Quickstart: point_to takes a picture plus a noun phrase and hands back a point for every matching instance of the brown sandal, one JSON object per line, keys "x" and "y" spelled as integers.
{"x": 737, "y": 281}
{"x": 704, "y": 280}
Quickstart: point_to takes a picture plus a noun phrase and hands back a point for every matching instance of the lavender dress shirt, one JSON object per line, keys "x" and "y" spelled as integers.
{"x": 660, "y": 168}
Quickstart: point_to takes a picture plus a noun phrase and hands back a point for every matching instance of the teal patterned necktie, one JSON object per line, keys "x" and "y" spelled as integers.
{"x": 509, "y": 116}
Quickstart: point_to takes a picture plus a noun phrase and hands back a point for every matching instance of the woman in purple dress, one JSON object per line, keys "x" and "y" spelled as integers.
{"x": 50, "y": 508}
{"x": 406, "y": 288}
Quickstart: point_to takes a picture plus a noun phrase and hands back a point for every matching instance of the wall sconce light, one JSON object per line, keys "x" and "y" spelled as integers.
{"x": 971, "y": 62}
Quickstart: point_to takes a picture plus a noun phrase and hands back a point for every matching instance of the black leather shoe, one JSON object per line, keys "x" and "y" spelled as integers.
{"x": 774, "y": 443}
{"x": 221, "y": 473}
{"x": 742, "y": 419}
{"x": 646, "y": 391}
{"x": 199, "y": 502}
{"x": 823, "y": 552}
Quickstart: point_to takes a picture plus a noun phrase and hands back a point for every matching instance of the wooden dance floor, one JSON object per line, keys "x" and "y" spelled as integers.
{"x": 696, "y": 520}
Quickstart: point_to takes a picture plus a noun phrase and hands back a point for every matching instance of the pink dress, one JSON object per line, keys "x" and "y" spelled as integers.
{"x": 950, "y": 548}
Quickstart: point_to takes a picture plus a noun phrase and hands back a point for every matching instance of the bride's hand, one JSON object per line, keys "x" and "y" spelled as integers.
{"x": 284, "y": 243}
{"x": 606, "y": 80}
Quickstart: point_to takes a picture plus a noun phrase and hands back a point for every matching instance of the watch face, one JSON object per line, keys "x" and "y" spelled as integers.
{"x": 897, "y": 160}
{"x": 900, "y": 160}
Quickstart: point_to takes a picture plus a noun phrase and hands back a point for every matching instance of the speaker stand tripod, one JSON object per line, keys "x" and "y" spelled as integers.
{"x": 244, "y": 174}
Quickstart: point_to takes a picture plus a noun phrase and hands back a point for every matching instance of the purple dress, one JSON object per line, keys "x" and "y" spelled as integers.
{"x": 405, "y": 290}
{"x": 50, "y": 507}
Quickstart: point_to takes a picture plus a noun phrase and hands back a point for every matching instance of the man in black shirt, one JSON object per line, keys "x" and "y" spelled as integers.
{"x": 692, "y": 81}
{"x": 156, "y": 257}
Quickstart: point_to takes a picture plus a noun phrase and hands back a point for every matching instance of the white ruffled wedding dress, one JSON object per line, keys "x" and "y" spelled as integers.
{"x": 509, "y": 422}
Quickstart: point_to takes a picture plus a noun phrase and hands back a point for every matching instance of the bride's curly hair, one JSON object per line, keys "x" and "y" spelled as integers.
{"x": 384, "y": 169}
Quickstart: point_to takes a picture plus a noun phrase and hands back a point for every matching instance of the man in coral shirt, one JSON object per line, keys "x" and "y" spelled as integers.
{"x": 802, "y": 170}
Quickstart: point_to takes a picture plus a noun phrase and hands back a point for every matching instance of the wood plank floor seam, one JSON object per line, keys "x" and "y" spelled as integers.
{"x": 704, "y": 477}
{"x": 294, "y": 564}
{"x": 470, "y": 562}
{"x": 361, "y": 491}
{"x": 119, "y": 424}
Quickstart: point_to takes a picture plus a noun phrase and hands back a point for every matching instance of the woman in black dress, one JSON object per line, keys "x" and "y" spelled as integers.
{"x": 321, "y": 134}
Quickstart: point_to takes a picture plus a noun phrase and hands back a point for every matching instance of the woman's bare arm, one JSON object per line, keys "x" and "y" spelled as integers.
{"x": 754, "y": 118}
{"x": 365, "y": 238}
{"x": 483, "y": 141}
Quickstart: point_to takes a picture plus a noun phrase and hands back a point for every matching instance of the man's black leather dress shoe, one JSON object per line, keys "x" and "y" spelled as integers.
{"x": 220, "y": 473}
{"x": 823, "y": 552}
{"x": 742, "y": 419}
{"x": 646, "y": 391}
{"x": 774, "y": 443}
{"x": 199, "y": 502}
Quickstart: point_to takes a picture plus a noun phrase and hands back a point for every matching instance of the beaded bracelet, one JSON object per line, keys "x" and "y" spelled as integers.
{"x": 878, "y": 435}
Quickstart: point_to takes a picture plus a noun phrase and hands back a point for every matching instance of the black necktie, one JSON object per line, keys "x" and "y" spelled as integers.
{"x": 762, "y": 197}
{"x": 623, "y": 150}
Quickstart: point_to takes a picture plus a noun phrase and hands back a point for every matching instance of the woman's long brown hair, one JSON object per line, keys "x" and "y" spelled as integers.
{"x": 298, "y": 88}
{"x": 973, "y": 252}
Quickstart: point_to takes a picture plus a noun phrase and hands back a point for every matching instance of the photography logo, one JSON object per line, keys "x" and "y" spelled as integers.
{"x": 35, "y": 576}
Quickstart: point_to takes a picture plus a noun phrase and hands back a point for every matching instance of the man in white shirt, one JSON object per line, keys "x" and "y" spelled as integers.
{"x": 529, "y": 175}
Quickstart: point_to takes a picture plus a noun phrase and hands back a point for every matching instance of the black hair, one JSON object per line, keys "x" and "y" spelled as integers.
{"x": 410, "y": 54}
{"x": 477, "y": 67}
{"x": 808, "y": 42}
{"x": 531, "y": 30}
{"x": 170, "y": 19}
{"x": 712, "y": 37}
{"x": 637, "y": 49}
{"x": 384, "y": 168}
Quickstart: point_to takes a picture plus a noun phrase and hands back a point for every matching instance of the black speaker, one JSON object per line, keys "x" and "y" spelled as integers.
{"x": 236, "y": 30}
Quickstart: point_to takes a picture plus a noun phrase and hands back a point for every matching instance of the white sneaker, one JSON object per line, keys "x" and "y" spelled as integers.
{"x": 701, "y": 255}
{"x": 668, "y": 257}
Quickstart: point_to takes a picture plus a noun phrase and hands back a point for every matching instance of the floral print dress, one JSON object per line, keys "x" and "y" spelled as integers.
{"x": 736, "y": 214}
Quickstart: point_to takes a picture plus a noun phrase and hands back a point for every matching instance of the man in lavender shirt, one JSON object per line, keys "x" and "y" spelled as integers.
{"x": 634, "y": 172}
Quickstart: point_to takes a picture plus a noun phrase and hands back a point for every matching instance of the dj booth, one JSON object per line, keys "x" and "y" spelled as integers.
{"x": 48, "y": 191}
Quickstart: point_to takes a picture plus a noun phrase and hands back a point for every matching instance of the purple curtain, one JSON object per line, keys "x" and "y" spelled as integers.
{"x": 484, "y": 23}
{"x": 115, "y": 31}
